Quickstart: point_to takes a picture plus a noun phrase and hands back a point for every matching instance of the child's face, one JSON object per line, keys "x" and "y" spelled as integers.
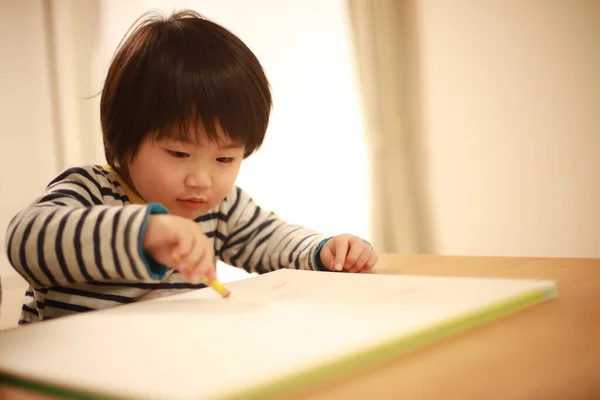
{"x": 187, "y": 178}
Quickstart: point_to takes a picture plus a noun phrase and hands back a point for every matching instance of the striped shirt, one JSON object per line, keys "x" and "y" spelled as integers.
{"x": 79, "y": 244}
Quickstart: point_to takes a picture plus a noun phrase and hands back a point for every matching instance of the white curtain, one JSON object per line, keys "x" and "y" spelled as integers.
{"x": 73, "y": 37}
{"x": 385, "y": 36}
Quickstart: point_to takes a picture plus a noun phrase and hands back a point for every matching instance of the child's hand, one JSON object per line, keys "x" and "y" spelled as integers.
{"x": 179, "y": 243}
{"x": 348, "y": 252}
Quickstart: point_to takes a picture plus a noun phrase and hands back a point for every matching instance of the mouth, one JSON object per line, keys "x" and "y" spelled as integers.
{"x": 193, "y": 203}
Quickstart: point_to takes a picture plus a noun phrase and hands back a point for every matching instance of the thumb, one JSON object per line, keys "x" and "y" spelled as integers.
{"x": 163, "y": 256}
{"x": 326, "y": 255}
{"x": 211, "y": 274}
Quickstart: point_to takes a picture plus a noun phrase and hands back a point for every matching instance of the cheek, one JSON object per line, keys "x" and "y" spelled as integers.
{"x": 165, "y": 179}
{"x": 153, "y": 178}
{"x": 226, "y": 181}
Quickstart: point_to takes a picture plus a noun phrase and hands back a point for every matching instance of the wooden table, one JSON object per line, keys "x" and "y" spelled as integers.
{"x": 549, "y": 351}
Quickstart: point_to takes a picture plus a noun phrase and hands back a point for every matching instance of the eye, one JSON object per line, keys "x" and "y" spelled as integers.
{"x": 178, "y": 154}
{"x": 225, "y": 160}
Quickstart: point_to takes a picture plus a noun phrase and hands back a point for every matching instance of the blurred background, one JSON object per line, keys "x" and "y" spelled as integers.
{"x": 460, "y": 127}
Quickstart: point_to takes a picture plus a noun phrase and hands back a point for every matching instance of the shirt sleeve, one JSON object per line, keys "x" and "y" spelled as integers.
{"x": 80, "y": 231}
{"x": 258, "y": 240}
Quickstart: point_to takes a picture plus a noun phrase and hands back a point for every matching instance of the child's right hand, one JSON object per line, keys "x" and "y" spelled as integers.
{"x": 179, "y": 243}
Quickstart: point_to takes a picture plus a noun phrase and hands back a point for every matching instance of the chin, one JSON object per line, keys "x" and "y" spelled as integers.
{"x": 192, "y": 214}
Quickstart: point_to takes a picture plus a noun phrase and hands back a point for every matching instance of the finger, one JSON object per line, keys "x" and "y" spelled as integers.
{"x": 162, "y": 255}
{"x": 341, "y": 249}
{"x": 204, "y": 266}
{"x": 189, "y": 264}
{"x": 201, "y": 245}
{"x": 204, "y": 258}
{"x": 361, "y": 261}
{"x": 211, "y": 274}
{"x": 370, "y": 262}
{"x": 353, "y": 269}
{"x": 326, "y": 255}
{"x": 356, "y": 249}
{"x": 187, "y": 274}
{"x": 198, "y": 273}
{"x": 184, "y": 249}
{"x": 194, "y": 273}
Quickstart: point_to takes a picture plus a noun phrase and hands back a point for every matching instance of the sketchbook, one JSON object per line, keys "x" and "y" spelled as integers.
{"x": 277, "y": 333}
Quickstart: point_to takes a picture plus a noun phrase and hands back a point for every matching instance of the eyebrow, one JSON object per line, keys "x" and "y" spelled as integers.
{"x": 229, "y": 146}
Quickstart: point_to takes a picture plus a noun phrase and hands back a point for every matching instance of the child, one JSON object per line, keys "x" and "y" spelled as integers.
{"x": 183, "y": 103}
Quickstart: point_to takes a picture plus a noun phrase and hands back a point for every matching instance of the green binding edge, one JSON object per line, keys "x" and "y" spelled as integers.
{"x": 377, "y": 354}
{"x": 343, "y": 366}
{"x": 50, "y": 389}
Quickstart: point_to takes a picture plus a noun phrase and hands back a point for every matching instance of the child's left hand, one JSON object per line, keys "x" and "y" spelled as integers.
{"x": 348, "y": 252}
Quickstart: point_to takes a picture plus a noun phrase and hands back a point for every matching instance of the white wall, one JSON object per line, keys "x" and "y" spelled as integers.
{"x": 27, "y": 151}
{"x": 512, "y": 116}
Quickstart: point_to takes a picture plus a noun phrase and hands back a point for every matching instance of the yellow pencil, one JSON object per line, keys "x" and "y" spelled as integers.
{"x": 217, "y": 287}
{"x": 214, "y": 284}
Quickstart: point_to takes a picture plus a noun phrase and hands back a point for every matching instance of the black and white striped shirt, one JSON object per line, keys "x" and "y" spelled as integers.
{"x": 79, "y": 244}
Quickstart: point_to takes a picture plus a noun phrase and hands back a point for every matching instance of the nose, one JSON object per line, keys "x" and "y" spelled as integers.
{"x": 198, "y": 179}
